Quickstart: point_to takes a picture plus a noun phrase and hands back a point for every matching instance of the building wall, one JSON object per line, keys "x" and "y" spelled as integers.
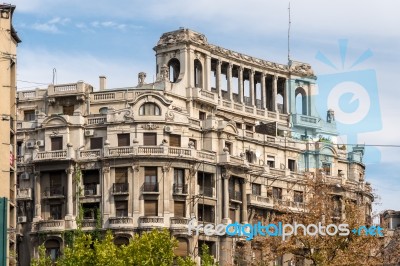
{"x": 202, "y": 132}
{"x": 8, "y": 41}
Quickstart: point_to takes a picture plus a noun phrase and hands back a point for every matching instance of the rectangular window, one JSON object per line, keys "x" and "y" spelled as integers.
{"x": 151, "y": 208}
{"x": 56, "y": 143}
{"x": 96, "y": 143}
{"x": 239, "y": 126}
{"x": 202, "y": 116}
{"x": 249, "y": 127}
{"x": 90, "y": 210}
{"x": 206, "y": 184}
{"x": 123, "y": 139}
{"x": 121, "y": 175}
{"x": 206, "y": 213}
{"x": 150, "y": 179}
{"x": 29, "y": 115}
{"x": 179, "y": 209}
{"x": 150, "y": 139}
{"x": 232, "y": 214}
{"x": 271, "y": 161}
{"x": 277, "y": 193}
{"x": 298, "y": 196}
{"x": 121, "y": 208}
{"x": 292, "y": 165}
{"x": 68, "y": 110}
{"x": 256, "y": 189}
{"x": 179, "y": 176}
{"x": 326, "y": 167}
{"x": 55, "y": 211}
{"x": 174, "y": 140}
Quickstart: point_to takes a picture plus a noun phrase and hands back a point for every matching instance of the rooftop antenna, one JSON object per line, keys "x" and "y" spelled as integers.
{"x": 288, "y": 44}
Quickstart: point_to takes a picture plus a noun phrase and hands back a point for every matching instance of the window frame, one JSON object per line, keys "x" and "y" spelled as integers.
{"x": 149, "y": 109}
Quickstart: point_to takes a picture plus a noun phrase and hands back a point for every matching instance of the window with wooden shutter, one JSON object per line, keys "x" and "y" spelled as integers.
{"x": 96, "y": 143}
{"x": 121, "y": 175}
{"x": 182, "y": 248}
{"x": 174, "y": 140}
{"x": 232, "y": 215}
{"x": 121, "y": 208}
{"x": 179, "y": 209}
{"x": 123, "y": 139}
{"x": 56, "y": 143}
{"x": 151, "y": 208}
{"x": 149, "y": 139}
{"x": 68, "y": 110}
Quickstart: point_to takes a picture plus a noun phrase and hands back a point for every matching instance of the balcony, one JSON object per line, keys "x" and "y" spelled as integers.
{"x": 204, "y": 95}
{"x": 150, "y": 187}
{"x": 259, "y": 201}
{"x": 51, "y": 225}
{"x": 120, "y": 222}
{"x": 51, "y": 155}
{"x": 206, "y": 156}
{"x": 305, "y": 121}
{"x": 91, "y": 190}
{"x": 180, "y": 189}
{"x": 151, "y": 222}
{"x": 296, "y": 206}
{"x": 206, "y": 191}
{"x": 89, "y": 154}
{"x": 179, "y": 223}
{"x": 120, "y": 189}
{"x": 89, "y": 224}
{"x": 53, "y": 192}
{"x": 235, "y": 195}
{"x": 67, "y": 89}
{"x": 24, "y": 194}
{"x": 120, "y": 151}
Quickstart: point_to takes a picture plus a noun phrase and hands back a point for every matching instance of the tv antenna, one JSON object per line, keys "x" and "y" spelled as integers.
{"x": 288, "y": 44}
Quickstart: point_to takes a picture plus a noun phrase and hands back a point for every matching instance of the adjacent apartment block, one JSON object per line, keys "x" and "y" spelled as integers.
{"x": 8, "y": 48}
{"x": 217, "y": 137}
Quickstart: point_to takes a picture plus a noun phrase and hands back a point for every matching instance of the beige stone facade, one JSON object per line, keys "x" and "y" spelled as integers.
{"x": 8, "y": 44}
{"x": 213, "y": 138}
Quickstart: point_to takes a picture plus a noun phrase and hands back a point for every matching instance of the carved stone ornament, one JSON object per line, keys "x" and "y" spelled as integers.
{"x": 169, "y": 116}
{"x": 150, "y": 126}
{"x": 51, "y": 101}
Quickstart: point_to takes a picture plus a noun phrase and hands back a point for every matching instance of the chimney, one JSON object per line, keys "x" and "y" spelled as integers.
{"x": 103, "y": 81}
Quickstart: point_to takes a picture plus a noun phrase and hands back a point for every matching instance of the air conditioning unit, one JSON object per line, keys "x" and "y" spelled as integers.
{"x": 22, "y": 219}
{"x": 89, "y": 132}
{"x": 24, "y": 176}
{"x": 30, "y": 144}
{"x": 40, "y": 143}
{"x": 168, "y": 129}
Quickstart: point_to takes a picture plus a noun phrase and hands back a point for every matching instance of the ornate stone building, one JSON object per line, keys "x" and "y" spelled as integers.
{"x": 8, "y": 43}
{"x": 216, "y": 137}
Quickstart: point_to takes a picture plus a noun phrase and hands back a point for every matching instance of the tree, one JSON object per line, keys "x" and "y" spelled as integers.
{"x": 154, "y": 248}
{"x": 326, "y": 203}
{"x": 206, "y": 258}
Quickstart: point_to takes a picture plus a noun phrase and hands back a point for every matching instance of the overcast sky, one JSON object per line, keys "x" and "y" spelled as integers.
{"x": 85, "y": 39}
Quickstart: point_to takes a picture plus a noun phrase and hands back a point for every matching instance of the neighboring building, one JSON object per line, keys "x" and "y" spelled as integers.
{"x": 216, "y": 138}
{"x": 8, "y": 49}
{"x": 390, "y": 220}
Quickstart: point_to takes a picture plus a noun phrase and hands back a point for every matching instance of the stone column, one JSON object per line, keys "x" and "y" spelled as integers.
{"x": 225, "y": 179}
{"x": 106, "y": 193}
{"x": 285, "y": 97}
{"x": 244, "y": 203}
{"x": 207, "y": 74}
{"x": 135, "y": 189}
{"x": 241, "y": 93}
{"x": 263, "y": 92}
{"x": 218, "y": 81}
{"x": 229, "y": 76}
{"x": 251, "y": 82}
{"x": 38, "y": 206}
{"x": 70, "y": 206}
{"x": 274, "y": 93}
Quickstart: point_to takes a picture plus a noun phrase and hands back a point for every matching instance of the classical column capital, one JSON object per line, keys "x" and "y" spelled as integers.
{"x": 252, "y": 71}
{"x": 263, "y": 74}
{"x": 165, "y": 169}
{"x": 275, "y": 77}
{"x": 230, "y": 65}
{"x": 135, "y": 168}
{"x": 106, "y": 169}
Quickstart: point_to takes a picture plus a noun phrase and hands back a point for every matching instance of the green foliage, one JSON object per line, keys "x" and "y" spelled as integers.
{"x": 43, "y": 260}
{"x": 206, "y": 258}
{"x": 155, "y": 248}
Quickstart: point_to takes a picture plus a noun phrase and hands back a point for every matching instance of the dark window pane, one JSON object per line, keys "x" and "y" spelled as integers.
{"x": 123, "y": 140}
{"x": 96, "y": 143}
{"x": 179, "y": 208}
{"x": 151, "y": 208}
{"x": 121, "y": 175}
{"x": 56, "y": 143}
{"x": 149, "y": 139}
{"x": 174, "y": 140}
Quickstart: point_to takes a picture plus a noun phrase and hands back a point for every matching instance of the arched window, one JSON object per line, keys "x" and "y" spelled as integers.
{"x": 301, "y": 101}
{"x": 149, "y": 109}
{"x": 121, "y": 240}
{"x": 174, "y": 67}
{"x": 183, "y": 247}
{"x": 198, "y": 74}
{"x": 52, "y": 248}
